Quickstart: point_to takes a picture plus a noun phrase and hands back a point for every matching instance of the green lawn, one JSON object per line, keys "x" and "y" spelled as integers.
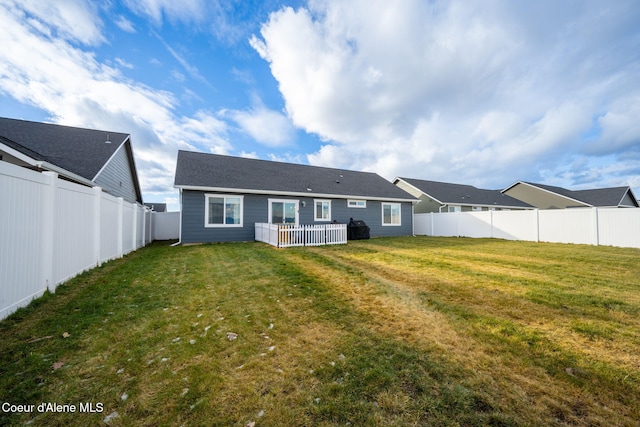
{"x": 384, "y": 332}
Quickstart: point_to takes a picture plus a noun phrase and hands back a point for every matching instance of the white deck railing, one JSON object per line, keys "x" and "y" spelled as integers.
{"x": 287, "y": 235}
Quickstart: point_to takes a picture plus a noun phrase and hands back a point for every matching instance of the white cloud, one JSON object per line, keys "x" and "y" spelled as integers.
{"x": 157, "y": 10}
{"x": 77, "y": 90}
{"x": 124, "y": 63}
{"x": 477, "y": 93}
{"x": 71, "y": 20}
{"x": 268, "y": 127}
{"x": 124, "y": 24}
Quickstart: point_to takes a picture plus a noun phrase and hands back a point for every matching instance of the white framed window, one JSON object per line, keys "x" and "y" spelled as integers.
{"x": 283, "y": 211}
{"x": 356, "y": 203}
{"x": 322, "y": 210}
{"x": 455, "y": 209}
{"x": 476, "y": 208}
{"x": 391, "y": 214}
{"x": 223, "y": 210}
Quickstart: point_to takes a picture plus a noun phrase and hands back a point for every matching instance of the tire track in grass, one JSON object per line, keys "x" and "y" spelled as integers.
{"x": 400, "y": 313}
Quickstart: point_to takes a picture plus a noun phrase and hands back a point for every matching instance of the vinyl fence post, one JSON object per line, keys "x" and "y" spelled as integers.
{"x": 120, "y": 226}
{"x": 537, "y": 225}
{"x": 433, "y": 233}
{"x": 143, "y": 232}
{"x": 48, "y": 229}
{"x": 134, "y": 228}
{"x": 97, "y": 235}
{"x": 491, "y": 220}
{"x": 596, "y": 227}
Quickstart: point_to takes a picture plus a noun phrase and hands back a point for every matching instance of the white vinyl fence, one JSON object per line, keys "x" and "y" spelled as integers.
{"x": 591, "y": 226}
{"x": 284, "y": 236}
{"x": 166, "y": 226}
{"x": 52, "y": 229}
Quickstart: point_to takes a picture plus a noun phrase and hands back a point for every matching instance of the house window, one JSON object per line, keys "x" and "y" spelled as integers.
{"x": 322, "y": 210}
{"x": 391, "y": 214}
{"x": 283, "y": 211}
{"x": 357, "y": 203}
{"x": 221, "y": 210}
{"x": 455, "y": 209}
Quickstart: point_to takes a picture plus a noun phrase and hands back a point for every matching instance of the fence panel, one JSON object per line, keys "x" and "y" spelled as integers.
{"x": 422, "y": 224}
{"x": 110, "y": 227}
{"x": 285, "y": 235}
{"x": 515, "y": 225}
{"x": 22, "y": 202}
{"x": 567, "y": 226}
{"x": 52, "y": 230}
{"x": 267, "y": 233}
{"x": 336, "y": 234}
{"x": 593, "y": 226}
{"x": 474, "y": 224}
{"x": 445, "y": 224}
{"x": 619, "y": 227}
{"x": 165, "y": 225}
{"x": 127, "y": 228}
{"x": 74, "y": 231}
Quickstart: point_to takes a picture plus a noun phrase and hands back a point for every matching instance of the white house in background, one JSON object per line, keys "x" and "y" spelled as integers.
{"x": 95, "y": 158}
{"x": 442, "y": 197}
{"x": 550, "y": 197}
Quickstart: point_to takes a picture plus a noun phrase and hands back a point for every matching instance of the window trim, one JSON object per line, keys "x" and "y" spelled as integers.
{"x": 315, "y": 210}
{"x": 357, "y": 204}
{"x": 207, "y": 196}
{"x": 399, "y": 205}
{"x": 270, "y": 213}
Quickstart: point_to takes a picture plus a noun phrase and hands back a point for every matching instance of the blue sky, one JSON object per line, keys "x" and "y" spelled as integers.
{"x": 480, "y": 93}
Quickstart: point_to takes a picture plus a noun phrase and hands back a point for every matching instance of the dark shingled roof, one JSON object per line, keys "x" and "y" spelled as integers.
{"x": 447, "y": 193}
{"x": 595, "y": 197}
{"x": 213, "y": 171}
{"x": 80, "y": 151}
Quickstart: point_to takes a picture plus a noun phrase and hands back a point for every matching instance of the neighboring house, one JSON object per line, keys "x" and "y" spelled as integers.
{"x": 157, "y": 207}
{"x": 222, "y": 197}
{"x": 549, "y": 197}
{"x": 445, "y": 197}
{"x": 85, "y": 156}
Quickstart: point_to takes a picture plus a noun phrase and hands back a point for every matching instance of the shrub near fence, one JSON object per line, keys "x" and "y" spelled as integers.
{"x": 592, "y": 226}
{"x": 52, "y": 230}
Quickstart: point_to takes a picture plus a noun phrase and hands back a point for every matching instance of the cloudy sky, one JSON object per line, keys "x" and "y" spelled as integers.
{"x": 481, "y": 93}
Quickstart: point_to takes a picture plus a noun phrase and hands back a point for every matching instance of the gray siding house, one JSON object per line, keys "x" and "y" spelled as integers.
{"x": 222, "y": 197}
{"x": 550, "y": 197}
{"x": 85, "y": 156}
{"x": 440, "y": 197}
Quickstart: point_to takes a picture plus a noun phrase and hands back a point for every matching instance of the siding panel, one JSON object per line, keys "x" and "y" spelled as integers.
{"x": 256, "y": 209}
{"x": 117, "y": 178}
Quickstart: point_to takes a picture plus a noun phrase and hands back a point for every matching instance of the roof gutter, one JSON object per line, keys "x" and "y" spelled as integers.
{"x": 65, "y": 173}
{"x": 18, "y": 155}
{"x": 291, "y": 193}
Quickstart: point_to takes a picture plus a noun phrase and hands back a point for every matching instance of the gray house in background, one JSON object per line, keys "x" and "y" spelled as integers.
{"x": 222, "y": 197}
{"x": 445, "y": 197}
{"x": 551, "y": 197}
{"x": 85, "y": 156}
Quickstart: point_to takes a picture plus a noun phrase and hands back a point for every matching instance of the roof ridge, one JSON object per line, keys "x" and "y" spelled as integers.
{"x": 65, "y": 126}
{"x": 276, "y": 161}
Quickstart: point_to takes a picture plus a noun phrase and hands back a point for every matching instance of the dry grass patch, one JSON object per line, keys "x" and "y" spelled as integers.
{"x": 393, "y": 332}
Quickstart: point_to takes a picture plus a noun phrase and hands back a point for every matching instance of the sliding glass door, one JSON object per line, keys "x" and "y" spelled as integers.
{"x": 283, "y": 211}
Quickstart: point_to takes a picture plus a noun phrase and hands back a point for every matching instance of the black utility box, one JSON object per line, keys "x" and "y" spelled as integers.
{"x": 357, "y": 230}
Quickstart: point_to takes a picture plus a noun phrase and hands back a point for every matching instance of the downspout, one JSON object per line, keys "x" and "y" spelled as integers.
{"x": 180, "y": 222}
{"x": 413, "y": 219}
